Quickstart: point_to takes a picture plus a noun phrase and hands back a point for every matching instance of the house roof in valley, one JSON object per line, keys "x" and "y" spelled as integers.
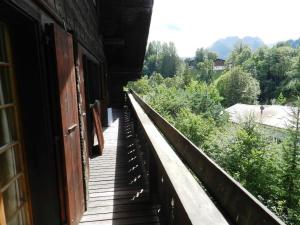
{"x": 219, "y": 62}
{"x": 270, "y": 115}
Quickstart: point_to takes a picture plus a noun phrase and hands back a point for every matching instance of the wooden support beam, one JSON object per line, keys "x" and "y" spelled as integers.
{"x": 114, "y": 41}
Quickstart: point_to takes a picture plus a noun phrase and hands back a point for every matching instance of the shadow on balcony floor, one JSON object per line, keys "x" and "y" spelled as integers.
{"x": 118, "y": 185}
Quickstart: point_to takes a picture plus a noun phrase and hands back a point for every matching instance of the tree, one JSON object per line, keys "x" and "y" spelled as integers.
{"x": 272, "y": 68}
{"x": 280, "y": 63}
{"x": 167, "y": 101}
{"x": 291, "y": 85}
{"x": 239, "y": 55}
{"x": 154, "y": 48}
{"x": 194, "y": 127}
{"x": 140, "y": 86}
{"x": 205, "y": 100}
{"x": 152, "y": 57}
{"x": 206, "y": 70}
{"x": 162, "y": 58}
{"x": 280, "y": 99}
{"x": 155, "y": 80}
{"x": 237, "y": 86}
{"x": 203, "y": 54}
{"x": 291, "y": 169}
{"x": 169, "y": 60}
{"x": 262, "y": 73}
{"x": 250, "y": 158}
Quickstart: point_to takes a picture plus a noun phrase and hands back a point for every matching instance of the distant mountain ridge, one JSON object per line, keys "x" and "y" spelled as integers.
{"x": 294, "y": 43}
{"x": 224, "y": 46}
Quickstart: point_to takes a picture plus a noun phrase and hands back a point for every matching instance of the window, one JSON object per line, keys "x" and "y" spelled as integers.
{"x": 13, "y": 199}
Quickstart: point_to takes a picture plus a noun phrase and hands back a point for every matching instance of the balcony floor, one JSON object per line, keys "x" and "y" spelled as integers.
{"x": 118, "y": 187}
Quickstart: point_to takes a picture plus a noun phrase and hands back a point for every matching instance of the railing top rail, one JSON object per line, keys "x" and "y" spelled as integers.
{"x": 198, "y": 207}
{"x": 240, "y": 205}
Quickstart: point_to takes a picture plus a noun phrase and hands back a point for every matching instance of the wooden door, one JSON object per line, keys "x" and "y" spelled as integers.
{"x": 63, "y": 44}
{"x": 14, "y": 201}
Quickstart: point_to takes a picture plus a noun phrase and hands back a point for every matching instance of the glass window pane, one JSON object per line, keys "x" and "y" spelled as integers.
{"x": 9, "y": 165}
{"x": 13, "y": 198}
{"x": 14, "y": 221}
{"x": 7, "y": 126}
{"x": 6, "y": 96}
{"x": 19, "y": 219}
{"x": 24, "y": 216}
{"x": 3, "y": 55}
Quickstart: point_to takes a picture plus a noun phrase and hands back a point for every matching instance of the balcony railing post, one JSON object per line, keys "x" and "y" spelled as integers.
{"x": 164, "y": 195}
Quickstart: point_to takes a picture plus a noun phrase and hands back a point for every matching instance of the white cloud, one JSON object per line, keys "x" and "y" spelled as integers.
{"x": 198, "y": 23}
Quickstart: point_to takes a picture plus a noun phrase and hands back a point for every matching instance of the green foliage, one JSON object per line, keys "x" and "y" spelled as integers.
{"x": 250, "y": 159}
{"x": 272, "y": 69}
{"x": 237, "y": 86}
{"x": 141, "y": 86}
{"x": 281, "y": 100}
{"x": 167, "y": 101}
{"x": 192, "y": 96}
{"x": 194, "y": 126}
{"x": 203, "y": 65}
{"x": 291, "y": 85}
{"x": 205, "y": 99}
{"x": 291, "y": 169}
{"x": 240, "y": 54}
{"x": 206, "y": 70}
{"x": 162, "y": 58}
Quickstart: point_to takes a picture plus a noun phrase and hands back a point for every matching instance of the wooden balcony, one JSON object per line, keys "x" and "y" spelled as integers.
{"x": 151, "y": 174}
{"x": 119, "y": 187}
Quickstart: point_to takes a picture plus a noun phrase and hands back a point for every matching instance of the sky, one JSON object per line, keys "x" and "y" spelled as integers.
{"x": 193, "y": 24}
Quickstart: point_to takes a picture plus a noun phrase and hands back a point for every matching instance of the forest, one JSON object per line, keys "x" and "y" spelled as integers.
{"x": 192, "y": 96}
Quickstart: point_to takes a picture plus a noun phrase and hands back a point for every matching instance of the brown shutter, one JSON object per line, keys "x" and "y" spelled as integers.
{"x": 98, "y": 128}
{"x": 70, "y": 124}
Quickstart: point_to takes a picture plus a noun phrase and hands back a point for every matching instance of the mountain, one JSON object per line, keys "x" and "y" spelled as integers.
{"x": 223, "y": 47}
{"x": 294, "y": 43}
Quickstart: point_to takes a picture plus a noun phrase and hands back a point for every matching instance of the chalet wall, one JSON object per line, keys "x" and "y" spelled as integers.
{"x": 35, "y": 69}
{"x": 76, "y": 16}
{"x": 81, "y": 18}
{"x": 36, "y": 64}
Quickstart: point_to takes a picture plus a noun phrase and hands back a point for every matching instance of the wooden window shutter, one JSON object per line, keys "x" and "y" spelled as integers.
{"x": 65, "y": 69}
{"x": 98, "y": 129}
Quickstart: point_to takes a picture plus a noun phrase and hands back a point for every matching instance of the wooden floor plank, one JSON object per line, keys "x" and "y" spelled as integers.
{"x": 118, "y": 188}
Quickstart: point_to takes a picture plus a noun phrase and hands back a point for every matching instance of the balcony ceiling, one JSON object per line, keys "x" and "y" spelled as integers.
{"x": 124, "y": 25}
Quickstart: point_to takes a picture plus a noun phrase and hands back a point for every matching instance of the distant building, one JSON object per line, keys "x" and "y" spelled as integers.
{"x": 275, "y": 118}
{"x": 219, "y": 64}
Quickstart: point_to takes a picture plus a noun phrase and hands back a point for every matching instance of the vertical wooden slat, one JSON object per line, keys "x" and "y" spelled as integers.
{"x": 2, "y": 212}
{"x": 75, "y": 138}
{"x": 83, "y": 118}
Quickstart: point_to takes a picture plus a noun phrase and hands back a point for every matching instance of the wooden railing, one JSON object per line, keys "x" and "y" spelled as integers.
{"x": 191, "y": 188}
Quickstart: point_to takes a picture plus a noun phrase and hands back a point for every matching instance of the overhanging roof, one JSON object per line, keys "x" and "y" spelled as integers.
{"x": 124, "y": 25}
